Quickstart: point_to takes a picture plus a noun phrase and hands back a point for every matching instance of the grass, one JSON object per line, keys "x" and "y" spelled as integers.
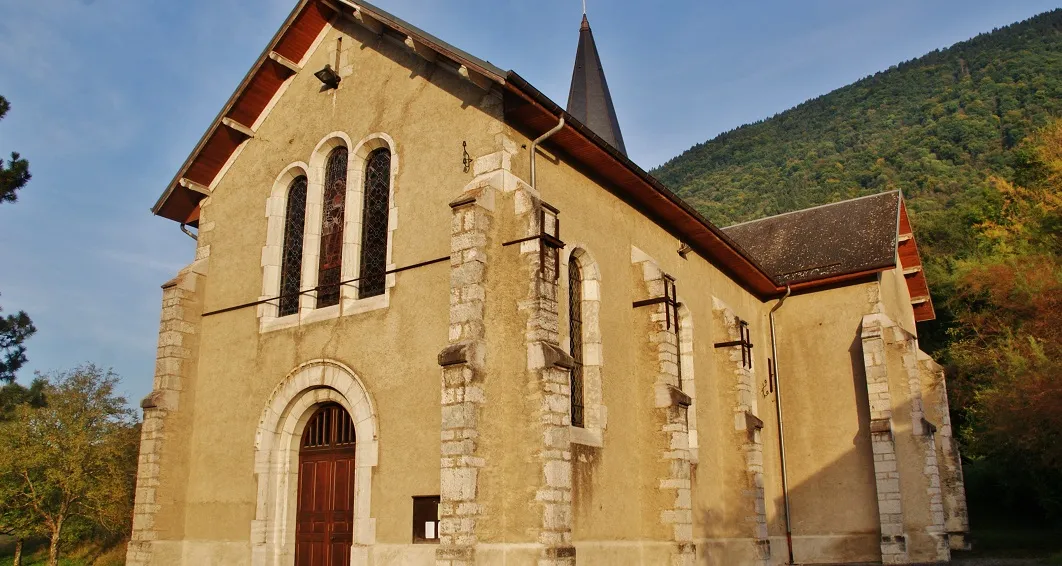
{"x": 1031, "y": 543}
{"x": 36, "y": 554}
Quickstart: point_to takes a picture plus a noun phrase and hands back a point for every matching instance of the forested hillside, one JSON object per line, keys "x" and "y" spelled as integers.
{"x": 936, "y": 127}
{"x": 973, "y": 136}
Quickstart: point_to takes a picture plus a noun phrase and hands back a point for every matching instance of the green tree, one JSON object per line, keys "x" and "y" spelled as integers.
{"x": 14, "y": 331}
{"x": 17, "y": 328}
{"x": 1006, "y": 349}
{"x": 15, "y": 174}
{"x": 16, "y": 521}
{"x": 69, "y": 466}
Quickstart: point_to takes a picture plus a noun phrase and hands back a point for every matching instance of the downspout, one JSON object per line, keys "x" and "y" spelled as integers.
{"x": 534, "y": 147}
{"x": 781, "y": 428}
{"x": 185, "y": 229}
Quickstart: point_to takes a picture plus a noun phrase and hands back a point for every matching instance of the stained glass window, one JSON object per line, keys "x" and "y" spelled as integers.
{"x": 291, "y": 262}
{"x": 335, "y": 196}
{"x": 373, "y": 275}
{"x": 575, "y": 337}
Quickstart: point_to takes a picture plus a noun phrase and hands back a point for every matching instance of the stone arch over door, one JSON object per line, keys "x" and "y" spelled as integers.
{"x": 277, "y": 443}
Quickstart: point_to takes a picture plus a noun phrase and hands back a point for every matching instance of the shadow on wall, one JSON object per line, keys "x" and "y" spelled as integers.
{"x": 831, "y": 462}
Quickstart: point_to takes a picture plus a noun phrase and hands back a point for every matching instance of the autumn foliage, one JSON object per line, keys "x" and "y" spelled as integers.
{"x": 1006, "y": 353}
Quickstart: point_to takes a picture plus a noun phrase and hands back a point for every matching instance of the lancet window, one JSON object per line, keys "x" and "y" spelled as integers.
{"x": 575, "y": 338}
{"x": 291, "y": 261}
{"x": 373, "y": 276}
{"x": 332, "y": 218}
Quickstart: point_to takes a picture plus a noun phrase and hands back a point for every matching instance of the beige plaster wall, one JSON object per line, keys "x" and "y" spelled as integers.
{"x": 824, "y": 394}
{"x": 616, "y": 486}
{"x": 428, "y": 112}
{"x": 896, "y": 298}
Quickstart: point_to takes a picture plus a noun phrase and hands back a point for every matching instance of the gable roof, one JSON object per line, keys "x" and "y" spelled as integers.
{"x": 849, "y": 239}
{"x": 589, "y": 99}
{"x": 825, "y": 241}
{"x": 526, "y": 109}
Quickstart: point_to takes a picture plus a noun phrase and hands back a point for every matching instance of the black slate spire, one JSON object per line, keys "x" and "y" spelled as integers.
{"x": 589, "y": 100}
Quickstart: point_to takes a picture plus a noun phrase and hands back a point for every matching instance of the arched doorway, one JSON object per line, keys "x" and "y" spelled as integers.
{"x": 324, "y": 528}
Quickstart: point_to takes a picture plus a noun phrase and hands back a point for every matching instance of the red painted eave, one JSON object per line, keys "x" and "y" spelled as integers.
{"x": 245, "y": 106}
{"x": 911, "y": 263}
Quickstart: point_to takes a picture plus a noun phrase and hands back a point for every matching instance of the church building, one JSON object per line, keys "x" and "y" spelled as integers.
{"x": 434, "y": 318}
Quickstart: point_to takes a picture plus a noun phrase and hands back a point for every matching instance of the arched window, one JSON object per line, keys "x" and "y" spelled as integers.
{"x": 291, "y": 261}
{"x": 575, "y": 337}
{"x": 335, "y": 192}
{"x": 373, "y": 276}
{"x": 329, "y": 428}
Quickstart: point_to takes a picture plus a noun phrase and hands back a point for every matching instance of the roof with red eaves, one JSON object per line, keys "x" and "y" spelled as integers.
{"x": 526, "y": 109}
{"x": 859, "y": 236}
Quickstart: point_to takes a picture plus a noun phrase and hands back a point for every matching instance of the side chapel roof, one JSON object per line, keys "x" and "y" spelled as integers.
{"x": 526, "y": 109}
{"x": 857, "y": 236}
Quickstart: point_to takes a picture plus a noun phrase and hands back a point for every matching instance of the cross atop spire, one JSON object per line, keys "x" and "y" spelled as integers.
{"x": 589, "y": 100}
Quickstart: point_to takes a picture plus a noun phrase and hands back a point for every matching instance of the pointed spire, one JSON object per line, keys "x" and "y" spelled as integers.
{"x": 589, "y": 100}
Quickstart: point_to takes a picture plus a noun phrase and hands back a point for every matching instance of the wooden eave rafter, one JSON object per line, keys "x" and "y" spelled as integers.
{"x": 230, "y": 128}
{"x": 911, "y": 264}
{"x": 285, "y": 62}
{"x": 238, "y": 119}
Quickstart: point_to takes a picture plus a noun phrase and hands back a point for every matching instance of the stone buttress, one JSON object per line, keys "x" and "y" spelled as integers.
{"x": 674, "y": 470}
{"x": 182, "y": 306}
{"x": 548, "y": 381}
{"x": 911, "y": 502}
{"x": 497, "y": 203}
{"x": 462, "y": 379}
{"x": 747, "y": 427}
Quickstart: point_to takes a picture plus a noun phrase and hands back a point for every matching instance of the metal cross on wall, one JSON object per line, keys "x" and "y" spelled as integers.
{"x": 745, "y": 342}
{"x": 548, "y": 237}
{"x": 670, "y": 299}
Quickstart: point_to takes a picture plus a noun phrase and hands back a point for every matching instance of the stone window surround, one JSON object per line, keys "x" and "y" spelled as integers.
{"x": 595, "y": 412}
{"x": 689, "y": 383}
{"x": 276, "y": 465}
{"x": 276, "y": 206}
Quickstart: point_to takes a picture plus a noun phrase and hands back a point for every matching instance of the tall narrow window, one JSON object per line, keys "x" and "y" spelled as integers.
{"x": 373, "y": 276}
{"x": 575, "y": 337}
{"x": 291, "y": 262}
{"x": 335, "y": 196}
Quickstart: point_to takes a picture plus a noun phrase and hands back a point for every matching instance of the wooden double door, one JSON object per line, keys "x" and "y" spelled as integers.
{"x": 324, "y": 528}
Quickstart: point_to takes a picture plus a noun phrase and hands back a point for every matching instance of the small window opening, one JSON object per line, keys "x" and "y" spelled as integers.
{"x": 426, "y": 519}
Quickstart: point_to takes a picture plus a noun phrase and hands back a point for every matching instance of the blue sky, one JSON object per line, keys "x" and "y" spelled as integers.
{"x": 109, "y": 96}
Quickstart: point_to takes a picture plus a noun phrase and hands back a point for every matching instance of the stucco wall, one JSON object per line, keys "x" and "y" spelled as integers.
{"x": 428, "y": 113}
{"x": 896, "y": 298}
{"x": 606, "y": 226}
{"x": 826, "y": 411}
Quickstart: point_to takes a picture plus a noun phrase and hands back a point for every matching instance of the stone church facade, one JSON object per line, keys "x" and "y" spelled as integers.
{"x": 434, "y": 318}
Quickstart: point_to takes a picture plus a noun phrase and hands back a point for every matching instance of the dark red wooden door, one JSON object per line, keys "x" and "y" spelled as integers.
{"x": 324, "y": 530}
